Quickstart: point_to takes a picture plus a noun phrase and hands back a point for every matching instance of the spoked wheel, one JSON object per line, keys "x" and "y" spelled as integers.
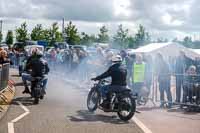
{"x": 127, "y": 107}
{"x": 93, "y": 100}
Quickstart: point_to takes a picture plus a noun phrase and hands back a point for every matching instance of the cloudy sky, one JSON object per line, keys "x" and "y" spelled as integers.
{"x": 168, "y": 18}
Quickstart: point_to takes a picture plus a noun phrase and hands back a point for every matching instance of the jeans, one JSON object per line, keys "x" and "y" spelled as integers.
{"x": 27, "y": 77}
{"x": 137, "y": 87}
{"x": 164, "y": 86}
{"x": 179, "y": 86}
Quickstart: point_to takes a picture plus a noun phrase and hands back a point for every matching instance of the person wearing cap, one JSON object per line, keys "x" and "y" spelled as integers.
{"x": 118, "y": 73}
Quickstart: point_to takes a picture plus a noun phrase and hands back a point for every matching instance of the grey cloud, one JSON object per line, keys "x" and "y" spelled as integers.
{"x": 147, "y": 12}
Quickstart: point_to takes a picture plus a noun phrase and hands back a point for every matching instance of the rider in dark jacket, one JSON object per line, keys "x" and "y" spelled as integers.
{"x": 38, "y": 67}
{"x": 118, "y": 73}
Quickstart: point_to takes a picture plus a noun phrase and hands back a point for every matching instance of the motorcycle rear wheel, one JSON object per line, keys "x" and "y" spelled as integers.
{"x": 126, "y": 108}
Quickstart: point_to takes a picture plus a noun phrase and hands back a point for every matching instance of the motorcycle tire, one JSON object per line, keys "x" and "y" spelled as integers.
{"x": 132, "y": 108}
{"x": 90, "y": 97}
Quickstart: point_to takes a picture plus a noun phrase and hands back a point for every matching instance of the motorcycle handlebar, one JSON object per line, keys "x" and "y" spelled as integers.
{"x": 101, "y": 80}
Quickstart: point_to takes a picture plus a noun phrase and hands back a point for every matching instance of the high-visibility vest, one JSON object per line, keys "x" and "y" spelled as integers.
{"x": 138, "y": 73}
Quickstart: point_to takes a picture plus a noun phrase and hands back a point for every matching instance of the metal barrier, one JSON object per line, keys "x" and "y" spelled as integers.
{"x": 4, "y": 76}
{"x": 181, "y": 89}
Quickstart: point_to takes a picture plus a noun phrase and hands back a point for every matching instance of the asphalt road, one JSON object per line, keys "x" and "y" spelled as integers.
{"x": 62, "y": 111}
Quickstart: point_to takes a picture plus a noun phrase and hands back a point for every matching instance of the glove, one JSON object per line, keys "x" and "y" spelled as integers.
{"x": 93, "y": 79}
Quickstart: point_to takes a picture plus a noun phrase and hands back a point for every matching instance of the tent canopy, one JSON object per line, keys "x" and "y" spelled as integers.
{"x": 170, "y": 49}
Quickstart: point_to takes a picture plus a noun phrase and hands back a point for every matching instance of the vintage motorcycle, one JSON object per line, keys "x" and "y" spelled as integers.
{"x": 37, "y": 91}
{"x": 122, "y": 102}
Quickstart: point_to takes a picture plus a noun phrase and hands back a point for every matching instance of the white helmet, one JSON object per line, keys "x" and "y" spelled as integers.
{"x": 116, "y": 58}
{"x": 39, "y": 53}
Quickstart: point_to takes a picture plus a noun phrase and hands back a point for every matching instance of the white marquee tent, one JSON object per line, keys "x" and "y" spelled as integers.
{"x": 170, "y": 49}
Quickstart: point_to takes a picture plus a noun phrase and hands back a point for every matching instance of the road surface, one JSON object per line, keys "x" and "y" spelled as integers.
{"x": 62, "y": 111}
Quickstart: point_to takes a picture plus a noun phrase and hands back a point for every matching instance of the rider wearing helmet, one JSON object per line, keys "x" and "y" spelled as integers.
{"x": 38, "y": 67}
{"x": 26, "y": 76}
{"x": 118, "y": 73}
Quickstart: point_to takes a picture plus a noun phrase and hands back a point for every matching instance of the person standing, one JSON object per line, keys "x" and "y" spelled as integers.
{"x": 164, "y": 80}
{"x": 138, "y": 76}
{"x": 180, "y": 68}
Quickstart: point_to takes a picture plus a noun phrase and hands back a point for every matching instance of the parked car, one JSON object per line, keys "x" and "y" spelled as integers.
{"x": 19, "y": 46}
{"x": 4, "y": 46}
{"x": 61, "y": 45}
{"x": 81, "y": 47}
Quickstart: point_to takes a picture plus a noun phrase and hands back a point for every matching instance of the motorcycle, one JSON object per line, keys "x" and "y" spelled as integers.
{"x": 123, "y": 102}
{"x": 37, "y": 91}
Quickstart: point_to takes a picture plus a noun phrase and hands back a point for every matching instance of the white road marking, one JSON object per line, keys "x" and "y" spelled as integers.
{"x": 10, "y": 127}
{"x": 141, "y": 125}
{"x": 11, "y": 124}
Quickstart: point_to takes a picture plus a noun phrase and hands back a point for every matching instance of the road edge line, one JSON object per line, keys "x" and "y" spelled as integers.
{"x": 10, "y": 127}
{"x": 11, "y": 124}
{"x": 141, "y": 125}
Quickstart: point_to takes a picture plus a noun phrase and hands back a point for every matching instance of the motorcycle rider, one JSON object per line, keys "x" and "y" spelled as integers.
{"x": 26, "y": 76}
{"x": 118, "y": 73}
{"x": 38, "y": 67}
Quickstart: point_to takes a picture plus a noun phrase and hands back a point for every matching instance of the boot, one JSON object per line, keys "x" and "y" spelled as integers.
{"x": 26, "y": 90}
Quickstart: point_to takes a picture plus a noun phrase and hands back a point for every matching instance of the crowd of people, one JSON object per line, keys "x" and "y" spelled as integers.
{"x": 143, "y": 71}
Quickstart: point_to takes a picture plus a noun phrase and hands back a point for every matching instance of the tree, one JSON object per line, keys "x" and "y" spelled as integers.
{"x": 120, "y": 39}
{"x": 1, "y": 36}
{"x": 72, "y": 36}
{"x": 93, "y": 38}
{"x": 85, "y": 39}
{"x": 46, "y": 35}
{"x": 162, "y": 40}
{"x": 37, "y": 33}
{"x": 175, "y": 39}
{"x": 142, "y": 37}
{"x": 22, "y": 33}
{"x": 131, "y": 42}
{"x": 54, "y": 34}
{"x": 9, "y": 38}
{"x": 187, "y": 41}
{"x": 103, "y": 36}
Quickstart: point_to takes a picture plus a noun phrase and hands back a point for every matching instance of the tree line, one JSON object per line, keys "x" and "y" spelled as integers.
{"x": 121, "y": 39}
{"x": 71, "y": 35}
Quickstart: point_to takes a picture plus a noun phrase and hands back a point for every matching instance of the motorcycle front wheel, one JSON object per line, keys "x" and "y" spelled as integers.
{"x": 93, "y": 100}
{"x": 127, "y": 107}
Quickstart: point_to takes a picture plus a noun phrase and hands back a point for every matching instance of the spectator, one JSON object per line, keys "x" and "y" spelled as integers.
{"x": 3, "y": 57}
{"x": 149, "y": 71}
{"x": 179, "y": 71}
{"x": 182, "y": 64}
{"x": 130, "y": 59}
{"x": 138, "y": 75}
{"x": 190, "y": 80}
{"x": 164, "y": 78}
{"x": 75, "y": 59}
